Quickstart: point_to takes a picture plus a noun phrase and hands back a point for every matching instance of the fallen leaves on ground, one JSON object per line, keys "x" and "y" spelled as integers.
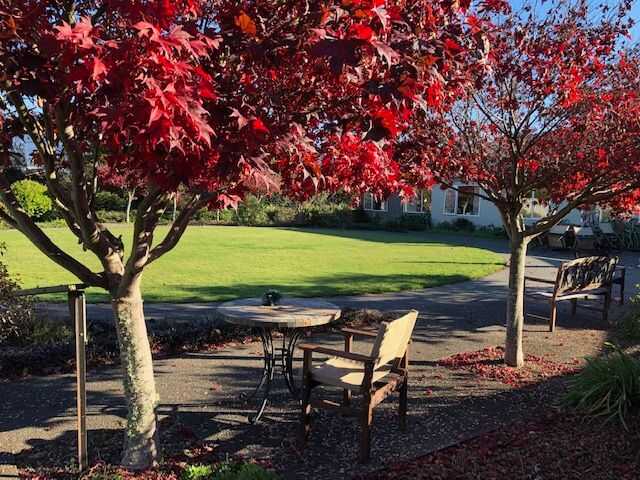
{"x": 555, "y": 446}
{"x": 488, "y": 363}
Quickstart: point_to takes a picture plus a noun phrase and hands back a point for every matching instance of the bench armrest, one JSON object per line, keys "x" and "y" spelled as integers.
{"x": 356, "y": 357}
{"x": 541, "y": 280}
{"x": 362, "y": 333}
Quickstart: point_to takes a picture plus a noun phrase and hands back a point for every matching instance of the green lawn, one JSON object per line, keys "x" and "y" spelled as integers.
{"x": 219, "y": 263}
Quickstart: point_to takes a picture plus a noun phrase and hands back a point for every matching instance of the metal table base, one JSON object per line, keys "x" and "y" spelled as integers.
{"x": 278, "y": 359}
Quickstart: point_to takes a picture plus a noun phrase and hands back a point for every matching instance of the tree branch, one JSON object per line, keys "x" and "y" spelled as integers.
{"x": 179, "y": 226}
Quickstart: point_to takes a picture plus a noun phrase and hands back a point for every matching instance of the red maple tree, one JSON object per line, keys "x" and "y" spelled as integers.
{"x": 212, "y": 98}
{"x": 557, "y": 118}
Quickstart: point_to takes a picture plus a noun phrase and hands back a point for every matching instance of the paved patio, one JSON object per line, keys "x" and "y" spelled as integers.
{"x": 199, "y": 391}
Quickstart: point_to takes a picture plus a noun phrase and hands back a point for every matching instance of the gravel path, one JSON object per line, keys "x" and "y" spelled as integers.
{"x": 199, "y": 391}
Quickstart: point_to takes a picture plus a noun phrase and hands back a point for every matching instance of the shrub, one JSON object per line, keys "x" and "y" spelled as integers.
{"x": 109, "y": 201}
{"x": 112, "y": 216}
{"x": 227, "y": 471}
{"x": 198, "y": 472}
{"x": 629, "y": 326}
{"x": 33, "y": 197}
{"x": 242, "y": 471}
{"x": 463, "y": 224}
{"x": 16, "y": 313}
{"x": 608, "y": 387}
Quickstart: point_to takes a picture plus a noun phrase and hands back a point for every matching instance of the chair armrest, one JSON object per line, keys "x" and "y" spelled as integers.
{"x": 362, "y": 333}
{"x": 541, "y": 280}
{"x": 356, "y": 357}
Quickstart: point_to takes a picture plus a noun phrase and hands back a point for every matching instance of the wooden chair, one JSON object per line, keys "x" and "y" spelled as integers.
{"x": 583, "y": 278}
{"x": 375, "y": 376}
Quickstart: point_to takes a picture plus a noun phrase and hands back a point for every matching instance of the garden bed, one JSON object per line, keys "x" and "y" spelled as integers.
{"x": 49, "y": 348}
{"x": 555, "y": 446}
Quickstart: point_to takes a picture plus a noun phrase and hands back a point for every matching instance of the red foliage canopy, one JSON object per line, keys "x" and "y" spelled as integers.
{"x": 558, "y": 114}
{"x": 208, "y": 94}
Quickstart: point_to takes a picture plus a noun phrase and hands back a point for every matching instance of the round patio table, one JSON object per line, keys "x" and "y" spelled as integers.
{"x": 290, "y": 317}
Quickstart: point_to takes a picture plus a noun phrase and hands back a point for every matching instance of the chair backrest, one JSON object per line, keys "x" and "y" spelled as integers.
{"x": 585, "y": 274}
{"x": 393, "y": 338}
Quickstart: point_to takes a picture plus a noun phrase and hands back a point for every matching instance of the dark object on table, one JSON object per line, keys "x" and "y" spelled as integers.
{"x": 271, "y": 298}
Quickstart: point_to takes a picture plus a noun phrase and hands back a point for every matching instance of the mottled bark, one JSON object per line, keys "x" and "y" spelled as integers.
{"x": 515, "y": 301}
{"x": 141, "y": 447}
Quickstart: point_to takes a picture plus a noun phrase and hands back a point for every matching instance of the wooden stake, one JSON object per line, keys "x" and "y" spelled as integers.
{"x": 80, "y": 316}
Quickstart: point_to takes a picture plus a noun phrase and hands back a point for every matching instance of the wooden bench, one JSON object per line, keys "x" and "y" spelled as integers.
{"x": 580, "y": 279}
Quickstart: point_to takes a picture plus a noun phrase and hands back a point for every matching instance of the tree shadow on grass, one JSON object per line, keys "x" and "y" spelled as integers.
{"x": 334, "y": 285}
{"x": 498, "y": 245}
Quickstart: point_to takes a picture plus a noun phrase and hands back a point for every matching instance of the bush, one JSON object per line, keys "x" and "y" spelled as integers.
{"x": 629, "y": 326}
{"x": 33, "y": 197}
{"x": 276, "y": 211}
{"x": 198, "y": 472}
{"x": 227, "y": 471}
{"x": 608, "y": 387}
{"x": 16, "y": 313}
{"x": 463, "y": 224}
{"x": 112, "y": 216}
{"x": 109, "y": 201}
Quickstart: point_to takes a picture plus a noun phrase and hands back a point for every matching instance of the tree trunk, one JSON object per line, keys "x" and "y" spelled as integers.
{"x": 513, "y": 355}
{"x": 141, "y": 436}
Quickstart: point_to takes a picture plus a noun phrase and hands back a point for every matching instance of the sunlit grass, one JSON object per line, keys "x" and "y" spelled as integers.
{"x": 219, "y": 263}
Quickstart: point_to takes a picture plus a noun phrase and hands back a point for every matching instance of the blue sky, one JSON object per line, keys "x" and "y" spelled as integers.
{"x": 635, "y": 12}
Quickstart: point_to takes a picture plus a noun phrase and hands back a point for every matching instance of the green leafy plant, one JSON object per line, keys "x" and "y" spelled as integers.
{"x": 227, "y": 471}
{"x": 198, "y": 472}
{"x": 608, "y": 387}
{"x": 242, "y": 471}
{"x": 33, "y": 198}
{"x": 630, "y": 327}
{"x": 106, "y": 200}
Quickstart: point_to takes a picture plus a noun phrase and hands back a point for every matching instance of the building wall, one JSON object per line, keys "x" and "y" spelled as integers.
{"x": 394, "y": 210}
{"x": 488, "y": 214}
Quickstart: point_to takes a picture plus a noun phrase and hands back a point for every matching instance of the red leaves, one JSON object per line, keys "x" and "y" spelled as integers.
{"x": 452, "y": 47}
{"x": 361, "y": 32}
{"x": 386, "y": 118}
{"x": 80, "y": 34}
{"x": 258, "y": 126}
{"x": 488, "y": 364}
{"x": 98, "y": 69}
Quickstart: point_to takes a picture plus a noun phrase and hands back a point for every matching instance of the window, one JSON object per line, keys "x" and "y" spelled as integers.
{"x": 416, "y": 204}
{"x": 369, "y": 202}
{"x": 534, "y": 207}
{"x": 463, "y": 201}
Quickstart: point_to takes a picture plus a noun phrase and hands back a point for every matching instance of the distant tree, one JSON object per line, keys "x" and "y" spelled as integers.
{"x": 559, "y": 116}
{"x": 130, "y": 184}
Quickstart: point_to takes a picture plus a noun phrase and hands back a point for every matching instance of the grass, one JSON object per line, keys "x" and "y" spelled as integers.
{"x": 221, "y": 263}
